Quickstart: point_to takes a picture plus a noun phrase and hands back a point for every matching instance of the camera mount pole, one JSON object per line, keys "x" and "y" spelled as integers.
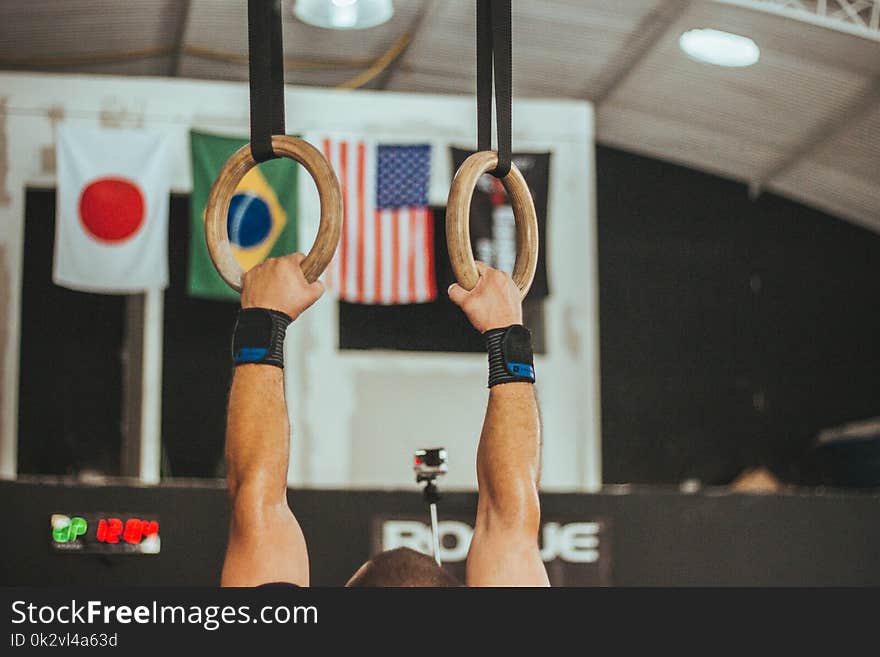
{"x": 430, "y": 464}
{"x": 432, "y": 496}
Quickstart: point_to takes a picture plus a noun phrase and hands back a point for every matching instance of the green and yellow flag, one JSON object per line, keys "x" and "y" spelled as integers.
{"x": 262, "y": 213}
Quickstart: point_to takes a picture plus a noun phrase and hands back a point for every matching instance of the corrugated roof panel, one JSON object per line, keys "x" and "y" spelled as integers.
{"x": 735, "y": 123}
{"x": 44, "y": 28}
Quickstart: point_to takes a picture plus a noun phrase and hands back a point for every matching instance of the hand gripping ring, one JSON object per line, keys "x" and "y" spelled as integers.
{"x": 230, "y": 175}
{"x": 458, "y": 209}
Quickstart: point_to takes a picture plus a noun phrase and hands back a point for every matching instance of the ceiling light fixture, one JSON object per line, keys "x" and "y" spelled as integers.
{"x": 719, "y": 48}
{"x": 343, "y": 14}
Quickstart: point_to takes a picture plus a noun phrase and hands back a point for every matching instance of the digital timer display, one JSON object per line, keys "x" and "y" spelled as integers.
{"x": 105, "y": 533}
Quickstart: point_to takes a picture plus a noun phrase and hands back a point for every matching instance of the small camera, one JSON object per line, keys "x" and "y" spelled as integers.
{"x": 430, "y": 464}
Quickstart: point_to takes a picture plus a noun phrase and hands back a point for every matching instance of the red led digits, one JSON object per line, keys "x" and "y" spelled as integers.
{"x": 109, "y": 530}
{"x": 133, "y": 531}
{"x": 114, "y": 530}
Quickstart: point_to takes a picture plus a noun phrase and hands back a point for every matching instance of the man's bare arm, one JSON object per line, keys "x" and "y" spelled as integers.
{"x": 504, "y": 549}
{"x": 266, "y": 543}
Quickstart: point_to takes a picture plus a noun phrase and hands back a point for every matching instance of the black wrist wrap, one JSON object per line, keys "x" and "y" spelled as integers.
{"x": 258, "y": 337}
{"x": 510, "y": 355}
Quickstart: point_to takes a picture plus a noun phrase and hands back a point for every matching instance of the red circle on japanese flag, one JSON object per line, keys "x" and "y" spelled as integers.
{"x": 111, "y": 209}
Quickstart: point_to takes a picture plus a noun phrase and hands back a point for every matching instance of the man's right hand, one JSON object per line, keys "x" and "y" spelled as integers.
{"x": 279, "y": 284}
{"x": 495, "y": 301}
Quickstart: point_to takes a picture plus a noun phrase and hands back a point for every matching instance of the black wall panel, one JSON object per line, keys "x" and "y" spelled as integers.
{"x": 70, "y": 362}
{"x": 732, "y": 330}
{"x": 656, "y": 537}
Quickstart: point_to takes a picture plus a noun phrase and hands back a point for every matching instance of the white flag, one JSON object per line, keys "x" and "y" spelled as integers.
{"x": 111, "y": 232}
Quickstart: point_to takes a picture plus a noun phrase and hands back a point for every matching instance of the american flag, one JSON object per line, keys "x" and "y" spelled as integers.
{"x": 386, "y": 252}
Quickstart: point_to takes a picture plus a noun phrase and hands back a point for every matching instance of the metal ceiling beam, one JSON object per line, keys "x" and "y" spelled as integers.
{"x": 824, "y": 133}
{"x": 650, "y": 30}
{"x": 863, "y": 21}
{"x": 183, "y": 9}
{"x": 414, "y": 29}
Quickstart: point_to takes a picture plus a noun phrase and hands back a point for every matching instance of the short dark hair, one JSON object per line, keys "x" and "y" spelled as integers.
{"x": 402, "y": 567}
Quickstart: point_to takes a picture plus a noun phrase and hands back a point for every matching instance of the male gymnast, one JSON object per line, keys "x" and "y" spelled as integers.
{"x": 504, "y": 549}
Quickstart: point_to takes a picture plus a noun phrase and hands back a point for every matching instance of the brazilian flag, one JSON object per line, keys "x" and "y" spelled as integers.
{"x": 262, "y": 214}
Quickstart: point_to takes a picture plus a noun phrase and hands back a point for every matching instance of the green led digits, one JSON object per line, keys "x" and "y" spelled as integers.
{"x": 66, "y": 529}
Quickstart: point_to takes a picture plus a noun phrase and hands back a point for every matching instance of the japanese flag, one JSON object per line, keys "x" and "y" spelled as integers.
{"x": 111, "y": 230}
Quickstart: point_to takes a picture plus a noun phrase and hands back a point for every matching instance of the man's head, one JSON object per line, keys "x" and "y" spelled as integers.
{"x": 401, "y": 567}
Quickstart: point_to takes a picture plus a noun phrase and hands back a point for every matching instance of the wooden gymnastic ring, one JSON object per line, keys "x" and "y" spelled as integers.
{"x": 242, "y": 161}
{"x": 458, "y": 207}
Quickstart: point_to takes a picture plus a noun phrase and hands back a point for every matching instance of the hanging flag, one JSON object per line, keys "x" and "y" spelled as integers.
{"x": 111, "y": 231}
{"x": 493, "y": 230}
{"x": 386, "y": 252}
{"x": 261, "y": 220}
